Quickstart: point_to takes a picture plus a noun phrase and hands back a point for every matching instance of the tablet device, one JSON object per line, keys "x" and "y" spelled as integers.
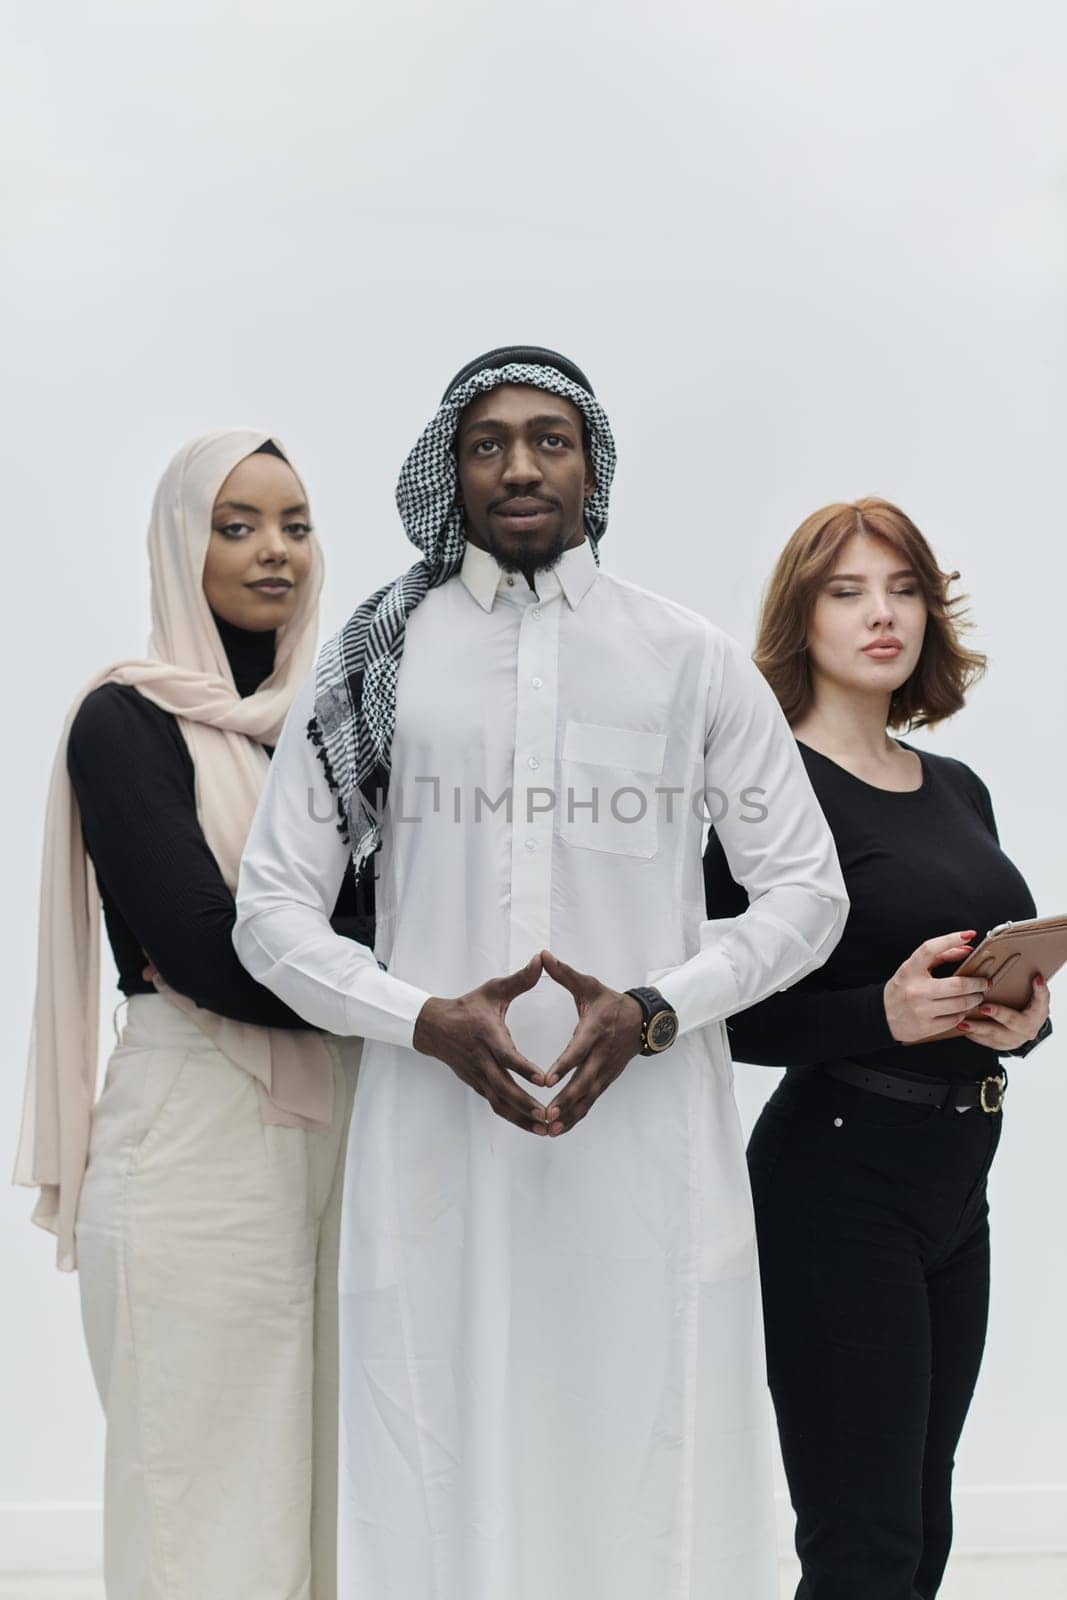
{"x": 1012, "y": 954}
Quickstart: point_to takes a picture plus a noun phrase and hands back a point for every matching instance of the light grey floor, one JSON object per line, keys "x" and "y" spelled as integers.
{"x": 986, "y": 1578}
{"x": 976, "y": 1578}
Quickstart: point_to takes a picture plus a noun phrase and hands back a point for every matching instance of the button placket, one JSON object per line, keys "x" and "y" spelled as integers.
{"x": 535, "y": 744}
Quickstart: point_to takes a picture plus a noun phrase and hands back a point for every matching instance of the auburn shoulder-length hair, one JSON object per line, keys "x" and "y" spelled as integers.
{"x": 945, "y": 670}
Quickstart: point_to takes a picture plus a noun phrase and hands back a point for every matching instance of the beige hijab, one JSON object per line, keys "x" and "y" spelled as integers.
{"x": 187, "y": 673}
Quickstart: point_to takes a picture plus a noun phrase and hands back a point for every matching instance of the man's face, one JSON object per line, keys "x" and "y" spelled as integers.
{"x": 524, "y": 475}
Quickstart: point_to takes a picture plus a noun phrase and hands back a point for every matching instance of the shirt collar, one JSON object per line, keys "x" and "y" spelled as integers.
{"x": 574, "y": 574}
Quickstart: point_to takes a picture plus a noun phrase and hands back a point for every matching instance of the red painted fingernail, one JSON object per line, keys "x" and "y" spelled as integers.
{"x": 964, "y": 1027}
{"x": 987, "y": 1011}
{"x": 1039, "y": 980}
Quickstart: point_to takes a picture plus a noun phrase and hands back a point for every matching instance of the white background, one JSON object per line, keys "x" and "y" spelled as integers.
{"x": 804, "y": 251}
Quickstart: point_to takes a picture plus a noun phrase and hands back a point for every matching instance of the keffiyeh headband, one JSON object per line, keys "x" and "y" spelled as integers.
{"x": 356, "y": 672}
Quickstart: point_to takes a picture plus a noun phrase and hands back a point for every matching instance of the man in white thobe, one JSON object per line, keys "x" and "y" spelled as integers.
{"x": 553, "y": 1381}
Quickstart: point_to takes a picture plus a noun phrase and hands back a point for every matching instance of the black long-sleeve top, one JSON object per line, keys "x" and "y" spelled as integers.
{"x": 916, "y": 865}
{"x": 160, "y": 885}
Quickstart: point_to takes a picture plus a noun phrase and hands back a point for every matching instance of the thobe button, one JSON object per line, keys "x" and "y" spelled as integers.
{"x": 510, "y": 581}
{"x": 538, "y": 683}
{"x": 533, "y": 763}
{"x": 535, "y": 612}
{"x": 531, "y": 844}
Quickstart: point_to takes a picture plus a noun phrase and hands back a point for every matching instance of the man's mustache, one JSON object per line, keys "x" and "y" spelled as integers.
{"x": 549, "y": 502}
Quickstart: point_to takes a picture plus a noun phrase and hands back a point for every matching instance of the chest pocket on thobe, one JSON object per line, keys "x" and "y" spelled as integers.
{"x": 608, "y": 798}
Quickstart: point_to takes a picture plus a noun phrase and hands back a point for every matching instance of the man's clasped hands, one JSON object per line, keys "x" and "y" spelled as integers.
{"x": 470, "y": 1035}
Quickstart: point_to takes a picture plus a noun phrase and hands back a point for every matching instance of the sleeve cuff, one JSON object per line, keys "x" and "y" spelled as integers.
{"x": 1032, "y": 1044}
{"x": 880, "y": 1033}
{"x": 701, "y": 990}
{"x": 386, "y": 1008}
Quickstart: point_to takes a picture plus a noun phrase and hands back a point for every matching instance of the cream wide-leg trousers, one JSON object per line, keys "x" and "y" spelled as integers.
{"x": 207, "y": 1250}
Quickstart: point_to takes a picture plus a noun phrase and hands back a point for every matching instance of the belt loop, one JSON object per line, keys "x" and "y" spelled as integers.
{"x": 115, "y": 1017}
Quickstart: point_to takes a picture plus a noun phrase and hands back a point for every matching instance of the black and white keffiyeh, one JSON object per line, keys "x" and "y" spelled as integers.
{"x": 356, "y": 672}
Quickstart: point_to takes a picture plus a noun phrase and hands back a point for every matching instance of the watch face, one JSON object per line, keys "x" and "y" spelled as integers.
{"x": 662, "y": 1030}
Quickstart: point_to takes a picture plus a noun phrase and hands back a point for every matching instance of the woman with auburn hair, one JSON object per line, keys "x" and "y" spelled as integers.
{"x": 869, "y": 1162}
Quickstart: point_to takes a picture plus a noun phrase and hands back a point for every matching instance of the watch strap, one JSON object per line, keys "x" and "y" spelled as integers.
{"x": 654, "y": 1006}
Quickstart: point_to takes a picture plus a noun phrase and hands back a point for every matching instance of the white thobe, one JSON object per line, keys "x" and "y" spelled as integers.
{"x": 553, "y": 1382}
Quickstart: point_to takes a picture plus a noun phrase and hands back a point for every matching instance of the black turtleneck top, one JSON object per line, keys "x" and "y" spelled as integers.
{"x": 916, "y": 864}
{"x": 161, "y": 888}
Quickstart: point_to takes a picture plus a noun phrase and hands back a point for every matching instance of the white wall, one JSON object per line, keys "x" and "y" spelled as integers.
{"x": 804, "y": 251}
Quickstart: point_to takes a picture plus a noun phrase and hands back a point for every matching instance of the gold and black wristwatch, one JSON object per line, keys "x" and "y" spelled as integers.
{"x": 660, "y": 1027}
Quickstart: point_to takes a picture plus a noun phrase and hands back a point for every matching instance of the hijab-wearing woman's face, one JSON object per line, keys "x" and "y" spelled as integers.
{"x": 869, "y": 620}
{"x": 259, "y": 552}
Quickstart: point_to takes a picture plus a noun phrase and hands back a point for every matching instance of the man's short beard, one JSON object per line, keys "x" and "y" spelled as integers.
{"x": 543, "y": 562}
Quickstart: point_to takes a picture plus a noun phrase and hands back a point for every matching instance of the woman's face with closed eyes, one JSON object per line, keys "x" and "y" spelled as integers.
{"x": 259, "y": 552}
{"x": 869, "y": 620}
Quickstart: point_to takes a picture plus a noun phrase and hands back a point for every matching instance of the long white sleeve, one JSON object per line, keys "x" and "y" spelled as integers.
{"x": 785, "y": 859}
{"x": 291, "y": 872}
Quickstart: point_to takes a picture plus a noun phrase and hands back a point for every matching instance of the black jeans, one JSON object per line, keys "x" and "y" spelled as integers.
{"x": 874, "y": 1255}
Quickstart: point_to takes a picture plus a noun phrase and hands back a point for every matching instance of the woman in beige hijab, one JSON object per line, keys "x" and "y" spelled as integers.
{"x": 199, "y": 1196}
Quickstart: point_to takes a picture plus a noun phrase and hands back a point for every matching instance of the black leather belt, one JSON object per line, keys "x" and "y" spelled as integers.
{"x": 988, "y": 1093}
